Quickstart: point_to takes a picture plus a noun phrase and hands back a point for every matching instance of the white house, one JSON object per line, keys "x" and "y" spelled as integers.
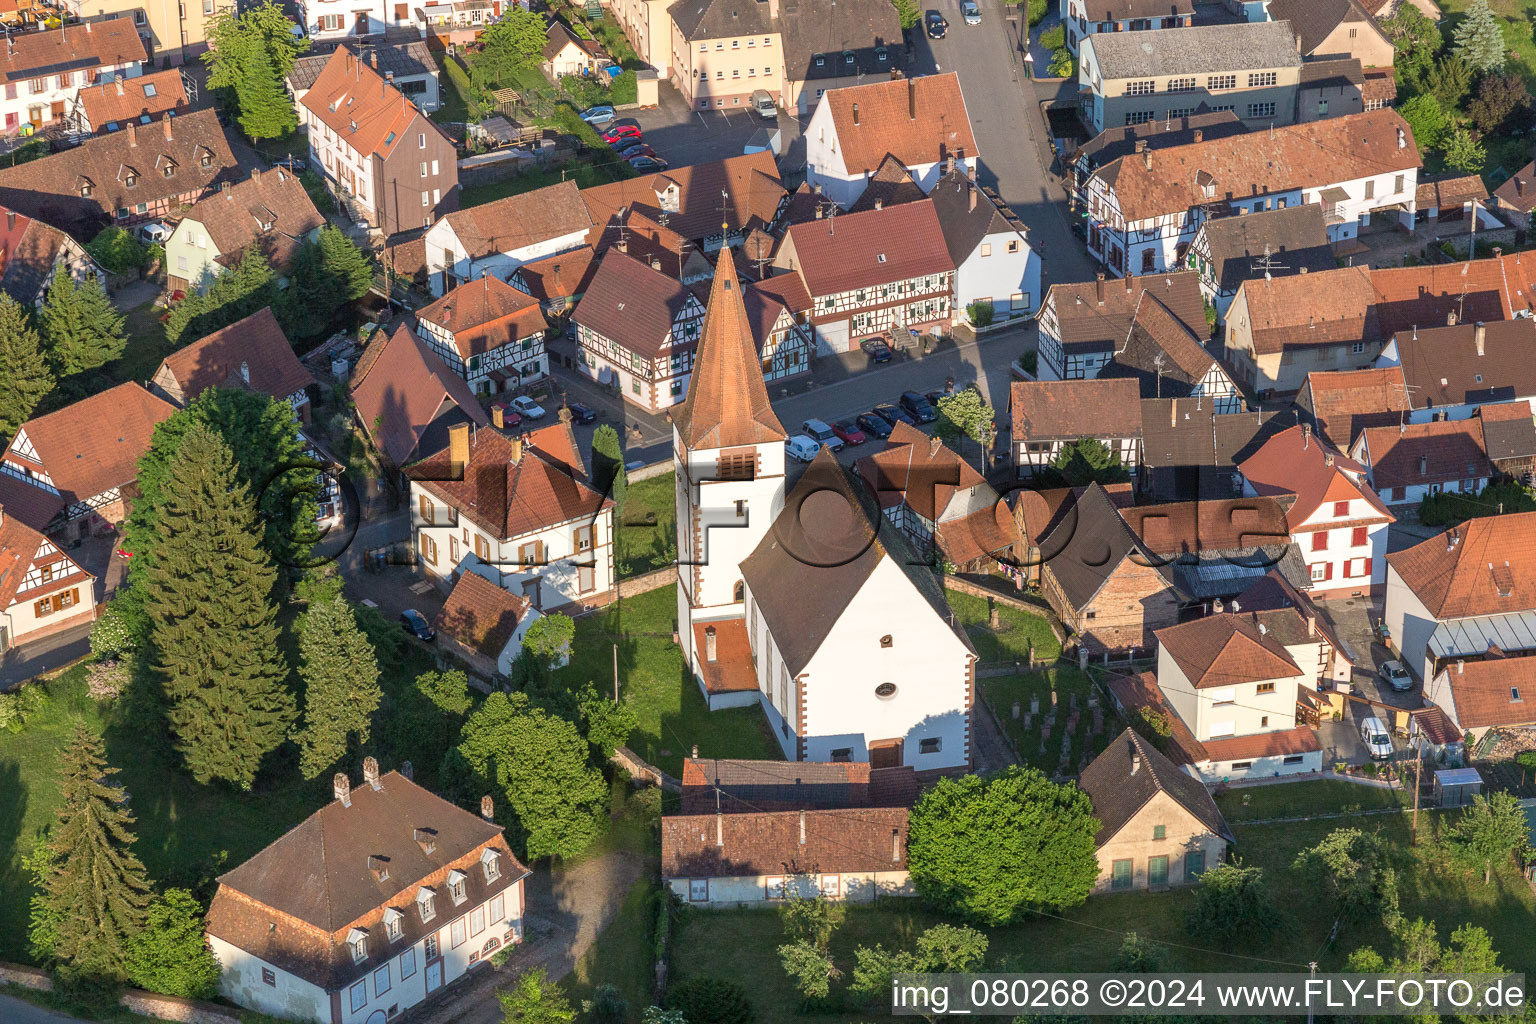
{"x": 270, "y": 210}
{"x": 1492, "y": 693}
{"x": 1083, "y": 323}
{"x": 989, "y": 245}
{"x": 489, "y": 333}
{"x": 1455, "y": 596}
{"x": 1144, "y": 209}
{"x": 1050, "y": 415}
{"x": 922, "y": 122}
{"x": 326, "y": 20}
{"x": 366, "y": 907}
{"x": 45, "y": 71}
{"x": 484, "y": 624}
{"x": 501, "y": 236}
{"x": 1450, "y": 371}
{"x": 1407, "y": 463}
{"x": 44, "y": 590}
{"x": 1083, "y": 18}
{"x": 1236, "y": 689}
{"x": 520, "y": 510}
{"x": 408, "y": 66}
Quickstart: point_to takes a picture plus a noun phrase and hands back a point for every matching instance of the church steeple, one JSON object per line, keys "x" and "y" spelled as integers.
{"x": 727, "y": 403}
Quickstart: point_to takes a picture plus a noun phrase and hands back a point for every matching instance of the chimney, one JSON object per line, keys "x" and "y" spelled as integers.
{"x": 1328, "y": 459}
{"x": 1450, "y": 319}
{"x": 655, "y": 262}
{"x": 818, "y": 211}
{"x": 371, "y": 772}
{"x": 517, "y": 450}
{"x": 1146, "y": 159}
{"x": 10, "y": 220}
{"x": 1460, "y": 666}
{"x": 245, "y": 371}
{"x": 498, "y": 416}
{"x": 1519, "y": 185}
{"x": 1480, "y": 336}
{"x": 1141, "y": 145}
{"x": 816, "y": 189}
{"x": 855, "y": 113}
{"x": 1302, "y": 269}
{"x": 1498, "y": 251}
{"x": 133, "y": 134}
{"x": 1423, "y": 465}
{"x": 1217, "y": 607}
{"x": 879, "y": 204}
{"x": 973, "y": 190}
{"x": 802, "y": 828}
{"x": 1099, "y": 288}
{"x": 119, "y": 85}
{"x": 1130, "y": 279}
{"x": 912, "y": 99}
{"x": 224, "y": 188}
{"x": 1306, "y": 436}
{"x": 709, "y": 647}
{"x": 165, "y": 125}
{"x": 933, "y": 446}
{"x": 458, "y": 449}
{"x": 407, "y": 772}
{"x": 487, "y": 808}
{"x": 1135, "y": 759}
{"x": 342, "y": 788}
{"x": 1199, "y": 135}
{"x": 895, "y": 846}
{"x": 1311, "y": 625}
{"x": 719, "y": 828}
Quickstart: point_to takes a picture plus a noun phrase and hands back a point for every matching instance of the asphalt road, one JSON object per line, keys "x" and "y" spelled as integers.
{"x": 17, "y": 1011}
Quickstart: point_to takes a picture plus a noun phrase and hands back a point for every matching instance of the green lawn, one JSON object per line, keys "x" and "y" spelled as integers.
{"x": 1002, "y": 691}
{"x": 1019, "y": 631}
{"x": 585, "y": 175}
{"x": 455, "y": 94}
{"x": 1515, "y": 16}
{"x": 146, "y": 347}
{"x": 623, "y": 954}
{"x": 652, "y": 680}
{"x": 1297, "y": 799}
{"x": 648, "y": 533}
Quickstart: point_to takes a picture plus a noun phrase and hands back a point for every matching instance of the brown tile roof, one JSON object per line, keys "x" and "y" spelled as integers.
{"x": 270, "y": 209}
{"x": 1508, "y": 431}
{"x": 133, "y": 97}
{"x": 19, "y": 547}
{"x": 1314, "y": 20}
{"x": 917, "y": 470}
{"x": 93, "y": 445}
{"x": 1482, "y": 567}
{"x": 1296, "y": 237}
{"x": 565, "y": 275}
{"x": 1160, "y": 353}
{"x": 969, "y": 212}
{"x": 544, "y": 486}
{"x": 1490, "y": 693}
{"x": 744, "y": 785}
{"x": 1332, "y": 72}
{"x": 1300, "y": 740}
{"x": 486, "y": 314}
{"x": 1519, "y": 190}
{"x": 989, "y": 532}
{"x": 1125, "y": 10}
{"x": 521, "y": 220}
{"x": 1067, "y": 409}
{"x": 28, "y": 503}
{"x": 1343, "y": 403}
{"x": 1087, "y": 547}
{"x": 1176, "y": 433}
{"x": 713, "y": 19}
{"x": 50, "y": 188}
{"x": 1423, "y": 297}
{"x": 1330, "y": 307}
{"x": 844, "y": 841}
{"x": 1288, "y": 614}
{"x": 1227, "y": 524}
{"x": 631, "y": 303}
{"x": 1442, "y": 366}
{"x": 861, "y": 250}
{"x": 367, "y": 112}
{"x": 75, "y": 48}
{"x": 1129, "y": 773}
{"x": 917, "y": 120}
{"x": 1224, "y": 650}
{"x": 1312, "y": 155}
{"x": 480, "y": 615}
{"x": 1424, "y": 453}
{"x": 1380, "y": 84}
{"x": 29, "y": 250}
{"x": 252, "y": 352}
{"x": 1120, "y": 140}
{"x": 727, "y": 401}
{"x": 560, "y": 37}
{"x": 1140, "y": 691}
{"x": 890, "y": 185}
{"x": 293, "y": 904}
{"x": 732, "y": 669}
{"x": 1099, "y": 314}
{"x": 1295, "y": 462}
{"x": 864, "y": 28}
{"x": 691, "y": 196}
{"x": 1450, "y": 192}
{"x": 400, "y": 389}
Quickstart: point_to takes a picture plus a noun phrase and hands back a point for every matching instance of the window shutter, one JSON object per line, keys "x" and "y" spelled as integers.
{"x": 1327, "y": 570}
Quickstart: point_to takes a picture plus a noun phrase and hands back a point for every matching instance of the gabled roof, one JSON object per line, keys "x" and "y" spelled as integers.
{"x": 1484, "y": 566}
{"x": 486, "y": 314}
{"x": 29, "y": 251}
{"x": 560, "y": 37}
{"x": 517, "y": 221}
{"x": 860, "y": 250}
{"x": 864, "y": 28}
{"x": 1423, "y": 297}
{"x": 480, "y": 615}
{"x": 1296, "y": 462}
{"x": 917, "y": 120}
{"x": 1443, "y": 366}
{"x": 1176, "y": 433}
{"x": 129, "y": 98}
{"x": 969, "y": 213}
{"x": 253, "y": 353}
{"x": 633, "y": 304}
{"x": 1508, "y": 431}
{"x": 716, "y": 19}
{"x": 843, "y": 841}
{"x": 29, "y": 504}
{"x": 403, "y": 60}
{"x": 742, "y": 785}
{"x": 1224, "y": 650}
{"x": 93, "y": 445}
{"x": 1121, "y": 140}
{"x": 689, "y": 197}
{"x": 77, "y": 47}
{"x": 401, "y": 387}
{"x": 889, "y": 185}
{"x": 1294, "y": 237}
{"x": 1450, "y": 191}
{"x": 510, "y": 492}
{"x": 1488, "y": 694}
{"x": 920, "y": 472}
{"x": 1049, "y": 410}
{"x": 1085, "y": 547}
{"x": 1314, "y": 20}
{"x": 727, "y": 401}
{"x": 1343, "y": 403}
{"x": 1242, "y": 46}
{"x": 270, "y": 209}
{"x": 1518, "y": 192}
{"x": 1425, "y": 453}
{"x": 1130, "y": 772}
{"x": 1098, "y": 314}
{"x": 21, "y": 548}
{"x": 565, "y": 275}
{"x": 1227, "y": 524}
{"x": 1124, "y": 10}
{"x": 1160, "y": 353}
{"x": 1330, "y": 307}
{"x": 370, "y": 115}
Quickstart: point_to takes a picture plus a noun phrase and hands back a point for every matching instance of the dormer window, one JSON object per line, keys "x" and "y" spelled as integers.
{"x": 357, "y": 941}
{"x": 206, "y": 158}
{"x": 131, "y": 179}
{"x": 170, "y": 169}
{"x": 848, "y": 57}
{"x": 820, "y": 60}
{"x": 457, "y": 886}
{"x": 882, "y": 54}
{"x": 86, "y": 188}
{"x": 426, "y": 903}
{"x": 490, "y": 860}
{"x": 394, "y": 924}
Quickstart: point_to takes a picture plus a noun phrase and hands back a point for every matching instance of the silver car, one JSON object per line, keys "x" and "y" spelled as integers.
{"x": 1394, "y": 675}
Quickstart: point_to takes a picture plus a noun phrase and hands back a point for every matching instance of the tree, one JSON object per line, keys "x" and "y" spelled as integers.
{"x": 170, "y": 955}
{"x": 1479, "y": 40}
{"x": 813, "y": 917}
{"x": 1415, "y": 39}
{"x": 980, "y": 313}
{"x": 908, "y": 11}
{"x": 607, "y": 723}
{"x": 96, "y": 887}
{"x": 536, "y": 1000}
{"x": 705, "y": 1000}
{"x": 609, "y": 1005}
{"x": 326, "y": 274}
{"x": 1493, "y": 828}
{"x": 341, "y": 685}
{"x": 1355, "y": 870}
{"x": 608, "y": 465}
{"x": 43, "y": 922}
{"x": 118, "y": 251}
{"x": 234, "y": 295}
{"x": 1087, "y": 460}
{"x": 25, "y": 378}
{"x": 549, "y": 639}
{"x": 1464, "y": 152}
{"x": 512, "y": 44}
{"x": 447, "y": 691}
{"x": 1502, "y": 103}
{"x": 1137, "y": 955}
{"x": 80, "y": 328}
{"x": 809, "y": 967}
{"x": 964, "y": 414}
{"x": 992, "y": 848}
{"x": 1427, "y": 119}
{"x": 250, "y": 55}
{"x": 1232, "y": 900}
{"x": 541, "y": 763}
{"x": 943, "y": 948}
{"x": 1449, "y": 81}
{"x": 214, "y": 629}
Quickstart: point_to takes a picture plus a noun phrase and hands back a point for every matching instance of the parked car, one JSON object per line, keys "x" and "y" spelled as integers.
{"x": 1373, "y": 732}
{"x": 1395, "y": 676}
{"x": 848, "y": 432}
{"x": 627, "y": 148}
{"x": 581, "y": 413}
{"x": 918, "y": 407}
{"x": 613, "y": 133}
{"x": 601, "y": 114}
{"x": 823, "y": 434}
{"x": 933, "y": 397}
{"x": 873, "y": 425}
{"x": 528, "y": 407}
{"x": 894, "y": 414}
{"x": 416, "y": 624}
{"x": 877, "y": 349}
{"x": 763, "y": 105}
{"x": 510, "y": 417}
{"x": 648, "y": 163}
{"x": 936, "y": 25}
{"x": 801, "y": 447}
{"x": 971, "y": 11}
{"x": 155, "y": 233}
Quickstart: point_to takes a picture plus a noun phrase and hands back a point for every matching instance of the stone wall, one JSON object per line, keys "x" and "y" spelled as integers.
{"x": 653, "y": 580}
{"x": 26, "y": 977}
{"x": 186, "y": 1011}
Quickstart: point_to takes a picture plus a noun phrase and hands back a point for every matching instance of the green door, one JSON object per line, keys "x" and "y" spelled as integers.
{"x": 1157, "y": 870}
{"x": 1194, "y": 865}
{"x": 1121, "y": 877}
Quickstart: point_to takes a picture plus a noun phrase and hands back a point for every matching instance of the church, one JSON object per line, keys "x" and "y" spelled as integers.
{"x": 809, "y": 603}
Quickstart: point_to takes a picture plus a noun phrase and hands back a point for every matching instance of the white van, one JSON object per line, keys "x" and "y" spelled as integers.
{"x": 801, "y": 447}
{"x": 763, "y": 106}
{"x": 1373, "y": 732}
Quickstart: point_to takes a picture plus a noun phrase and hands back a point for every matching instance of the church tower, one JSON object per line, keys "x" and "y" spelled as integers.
{"x": 728, "y": 447}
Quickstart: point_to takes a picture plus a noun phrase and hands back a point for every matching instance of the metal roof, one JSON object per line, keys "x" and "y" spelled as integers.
{"x": 1458, "y": 777}
{"x": 1511, "y": 631}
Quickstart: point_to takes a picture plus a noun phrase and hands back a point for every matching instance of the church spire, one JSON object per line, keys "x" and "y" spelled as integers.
{"x": 727, "y": 403}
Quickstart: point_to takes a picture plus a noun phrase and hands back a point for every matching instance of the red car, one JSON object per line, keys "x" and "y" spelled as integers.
{"x": 620, "y": 131}
{"x": 849, "y": 432}
{"x": 510, "y": 417}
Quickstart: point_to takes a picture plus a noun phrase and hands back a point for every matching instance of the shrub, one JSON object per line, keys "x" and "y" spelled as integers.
{"x": 118, "y": 251}
{"x": 111, "y": 635}
{"x": 608, "y": 1005}
{"x": 1054, "y": 38}
{"x": 1031, "y": 362}
{"x": 710, "y": 1001}
{"x": 106, "y": 680}
{"x": 624, "y": 89}
{"x": 980, "y": 313}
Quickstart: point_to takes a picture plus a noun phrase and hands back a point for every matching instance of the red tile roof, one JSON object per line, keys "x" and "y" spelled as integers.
{"x": 133, "y": 97}
{"x": 917, "y": 120}
{"x": 1067, "y": 409}
{"x": 690, "y": 196}
{"x": 1493, "y": 692}
{"x": 19, "y": 547}
{"x": 1482, "y": 567}
{"x": 844, "y": 841}
{"x": 863, "y": 250}
{"x": 355, "y": 101}
{"x": 94, "y": 445}
{"x": 480, "y": 615}
{"x": 732, "y": 670}
{"x": 564, "y": 275}
{"x": 486, "y": 314}
{"x": 1224, "y": 650}
{"x": 516, "y": 221}
{"x": 1140, "y": 691}
{"x": 1424, "y": 296}
{"x": 1345, "y": 402}
{"x": 918, "y": 470}
{"x": 1223, "y": 524}
{"x": 400, "y": 386}
{"x": 1299, "y": 310}
{"x": 1300, "y": 740}
{"x": 1296, "y": 462}
{"x": 77, "y": 47}
{"x": 1426, "y": 453}
{"x": 253, "y": 352}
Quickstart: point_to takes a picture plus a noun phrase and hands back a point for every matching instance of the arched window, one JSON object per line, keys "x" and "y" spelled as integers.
{"x": 886, "y": 641}
{"x": 739, "y": 592}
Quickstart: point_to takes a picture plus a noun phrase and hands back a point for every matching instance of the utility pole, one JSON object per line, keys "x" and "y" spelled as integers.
{"x": 615, "y": 673}
{"x": 1418, "y": 768}
{"x": 1311, "y": 973}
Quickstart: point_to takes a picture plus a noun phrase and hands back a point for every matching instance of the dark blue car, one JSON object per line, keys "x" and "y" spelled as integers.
{"x": 581, "y": 413}
{"x": 415, "y": 624}
{"x": 894, "y": 414}
{"x": 874, "y": 425}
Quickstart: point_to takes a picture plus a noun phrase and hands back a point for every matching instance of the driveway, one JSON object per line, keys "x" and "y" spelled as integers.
{"x": 19, "y": 1011}
{"x": 684, "y": 136}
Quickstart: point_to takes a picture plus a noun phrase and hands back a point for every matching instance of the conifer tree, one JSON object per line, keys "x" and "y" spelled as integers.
{"x": 346, "y": 268}
{"x": 80, "y": 327}
{"x": 266, "y": 112}
{"x": 213, "y": 627}
{"x": 341, "y": 685}
{"x": 24, "y": 375}
{"x": 96, "y": 889}
{"x": 1479, "y": 40}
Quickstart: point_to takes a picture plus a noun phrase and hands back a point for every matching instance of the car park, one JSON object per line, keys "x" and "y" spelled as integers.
{"x": 648, "y": 163}
{"x": 873, "y": 425}
{"x": 636, "y": 151}
{"x": 528, "y": 407}
{"x": 801, "y": 447}
{"x": 848, "y": 432}
{"x": 1395, "y": 676}
{"x": 894, "y": 414}
{"x": 934, "y": 22}
{"x": 581, "y": 413}
{"x": 821, "y": 433}
{"x": 763, "y": 105}
{"x": 918, "y": 407}
{"x": 510, "y": 417}
{"x": 971, "y": 11}
{"x": 878, "y": 350}
{"x": 416, "y": 624}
